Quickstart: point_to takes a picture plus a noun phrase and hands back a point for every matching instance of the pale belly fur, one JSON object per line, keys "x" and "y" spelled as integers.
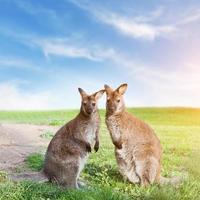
{"x": 82, "y": 162}
{"x": 90, "y": 136}
{"x": 127, "y": 165}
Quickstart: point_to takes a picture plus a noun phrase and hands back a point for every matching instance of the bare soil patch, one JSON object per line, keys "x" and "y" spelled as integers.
{"x": 17, "y": 141}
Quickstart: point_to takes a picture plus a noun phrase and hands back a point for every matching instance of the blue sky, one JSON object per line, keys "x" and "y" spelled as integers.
{"x": 50, "y": 48}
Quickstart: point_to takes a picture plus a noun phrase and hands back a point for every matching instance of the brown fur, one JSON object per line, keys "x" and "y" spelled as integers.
{"x": 69, "y": 148}
{"x": 137, "y": 149}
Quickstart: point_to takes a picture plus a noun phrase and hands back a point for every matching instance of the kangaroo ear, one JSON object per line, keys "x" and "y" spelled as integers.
{"x": 99, "y": 94}
{"x": 82, "y": 92}
{"x": 122, "y": 88}
{"x": 108, "y": 89}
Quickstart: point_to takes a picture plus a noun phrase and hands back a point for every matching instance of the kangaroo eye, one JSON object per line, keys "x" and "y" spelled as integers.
{"x": 84, "y": 103}
{"x": 108, "y": 100}
{"x": 118, "y": 100}
{"x": 93, "y": 104}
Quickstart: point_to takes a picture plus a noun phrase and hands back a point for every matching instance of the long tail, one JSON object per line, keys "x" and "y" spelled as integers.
{"x": 33, "y": 176}
{"x": 172, "y": 181}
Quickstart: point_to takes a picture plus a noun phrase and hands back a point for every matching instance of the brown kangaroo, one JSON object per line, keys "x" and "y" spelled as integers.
{"x": 68, "y": 150}
{"x": 137, "y": 149}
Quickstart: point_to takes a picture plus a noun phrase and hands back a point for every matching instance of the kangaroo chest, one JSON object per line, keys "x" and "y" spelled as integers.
{"x": 90, "y": 132}
{"x": 113, "y": 128}
{"x": 116, "y": 133}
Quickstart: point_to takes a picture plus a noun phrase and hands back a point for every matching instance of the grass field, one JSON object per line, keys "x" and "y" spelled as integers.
{"x": 178, "y": 130}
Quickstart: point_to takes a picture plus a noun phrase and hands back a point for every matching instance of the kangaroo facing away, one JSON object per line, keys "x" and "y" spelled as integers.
{"x": 68, "y": 150}
{"x": 137, "y": 149}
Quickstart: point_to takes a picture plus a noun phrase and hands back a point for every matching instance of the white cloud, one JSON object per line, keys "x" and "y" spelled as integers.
{"x": 62, "y": 95}
{"x": 166, "y": 87}
{"x": 67, "y": 47}
{"x": 191, "y": 17}
{"x": 14, "y": 62}
{"x": 61, "y": 48}
{"x": 12, "y": 98}
{"x": 135, "y": 27}
{"x": 129, "y": 27}
{"x": 148, "y": 26}
{"x": 151, "y": 16}
{"x": 161, "y": 86}
{"x": 177, "y": 86}
{"x": 170, "y": 87}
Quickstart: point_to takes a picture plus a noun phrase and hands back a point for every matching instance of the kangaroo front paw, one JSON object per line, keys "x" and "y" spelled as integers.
{"x": 96, "y": 146}
{"x": 118, "y": 145}
{"x": 88, "y": 148}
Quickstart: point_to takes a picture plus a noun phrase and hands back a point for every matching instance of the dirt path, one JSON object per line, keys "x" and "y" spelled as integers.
{"x": 19, "y": 140}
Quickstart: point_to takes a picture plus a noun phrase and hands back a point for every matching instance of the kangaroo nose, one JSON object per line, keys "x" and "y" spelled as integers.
{"x": 112, "y": 108}
{"x": 90, "y": 110}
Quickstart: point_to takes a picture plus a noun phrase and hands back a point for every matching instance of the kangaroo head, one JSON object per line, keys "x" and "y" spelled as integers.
{"x": 89, "y": 102}
{"x": 115, "y": 102}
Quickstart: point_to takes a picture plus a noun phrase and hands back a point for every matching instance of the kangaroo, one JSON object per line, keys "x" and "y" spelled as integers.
{"x": 137, "y": 148}
{"x": 68, "y": 150}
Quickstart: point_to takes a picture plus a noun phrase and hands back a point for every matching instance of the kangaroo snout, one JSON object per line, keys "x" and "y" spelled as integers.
{"x": 90, "y": 110}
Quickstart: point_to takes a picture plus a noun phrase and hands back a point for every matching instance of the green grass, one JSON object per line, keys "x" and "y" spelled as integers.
{"x": 37, "y": 117}
{"x": 178, "y": 130}
{"x": 35, "y": 161}
{"x": 47, "y": 135}
{"x": 162, "y": 116}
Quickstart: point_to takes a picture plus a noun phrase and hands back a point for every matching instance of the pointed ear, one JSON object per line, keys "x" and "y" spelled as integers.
{"x": 122, "y": 88}
{"x": 108, "y": 89}
{"x": 82, "y": 92}
{"x": 99, "y": 94}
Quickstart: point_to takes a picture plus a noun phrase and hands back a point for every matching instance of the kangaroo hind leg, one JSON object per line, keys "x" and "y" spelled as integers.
{"x": 147, "y": 170}
{"x": 131, "y": 175}
{"x": 70, "y": 176}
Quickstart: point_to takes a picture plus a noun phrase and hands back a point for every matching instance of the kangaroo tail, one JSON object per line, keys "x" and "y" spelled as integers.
{"x": 32, "y": 176}
{"x": 172, "y": 181}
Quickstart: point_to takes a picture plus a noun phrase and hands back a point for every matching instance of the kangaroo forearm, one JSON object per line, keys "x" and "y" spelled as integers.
{"x": 83, "y": 143}
{"x": 96, "y": 146}
{"x": 117, "y": 142}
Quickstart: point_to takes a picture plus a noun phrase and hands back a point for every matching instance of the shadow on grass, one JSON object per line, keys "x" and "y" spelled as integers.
{"x": 96, "y": 172}
{"x": 102, "y": 174}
